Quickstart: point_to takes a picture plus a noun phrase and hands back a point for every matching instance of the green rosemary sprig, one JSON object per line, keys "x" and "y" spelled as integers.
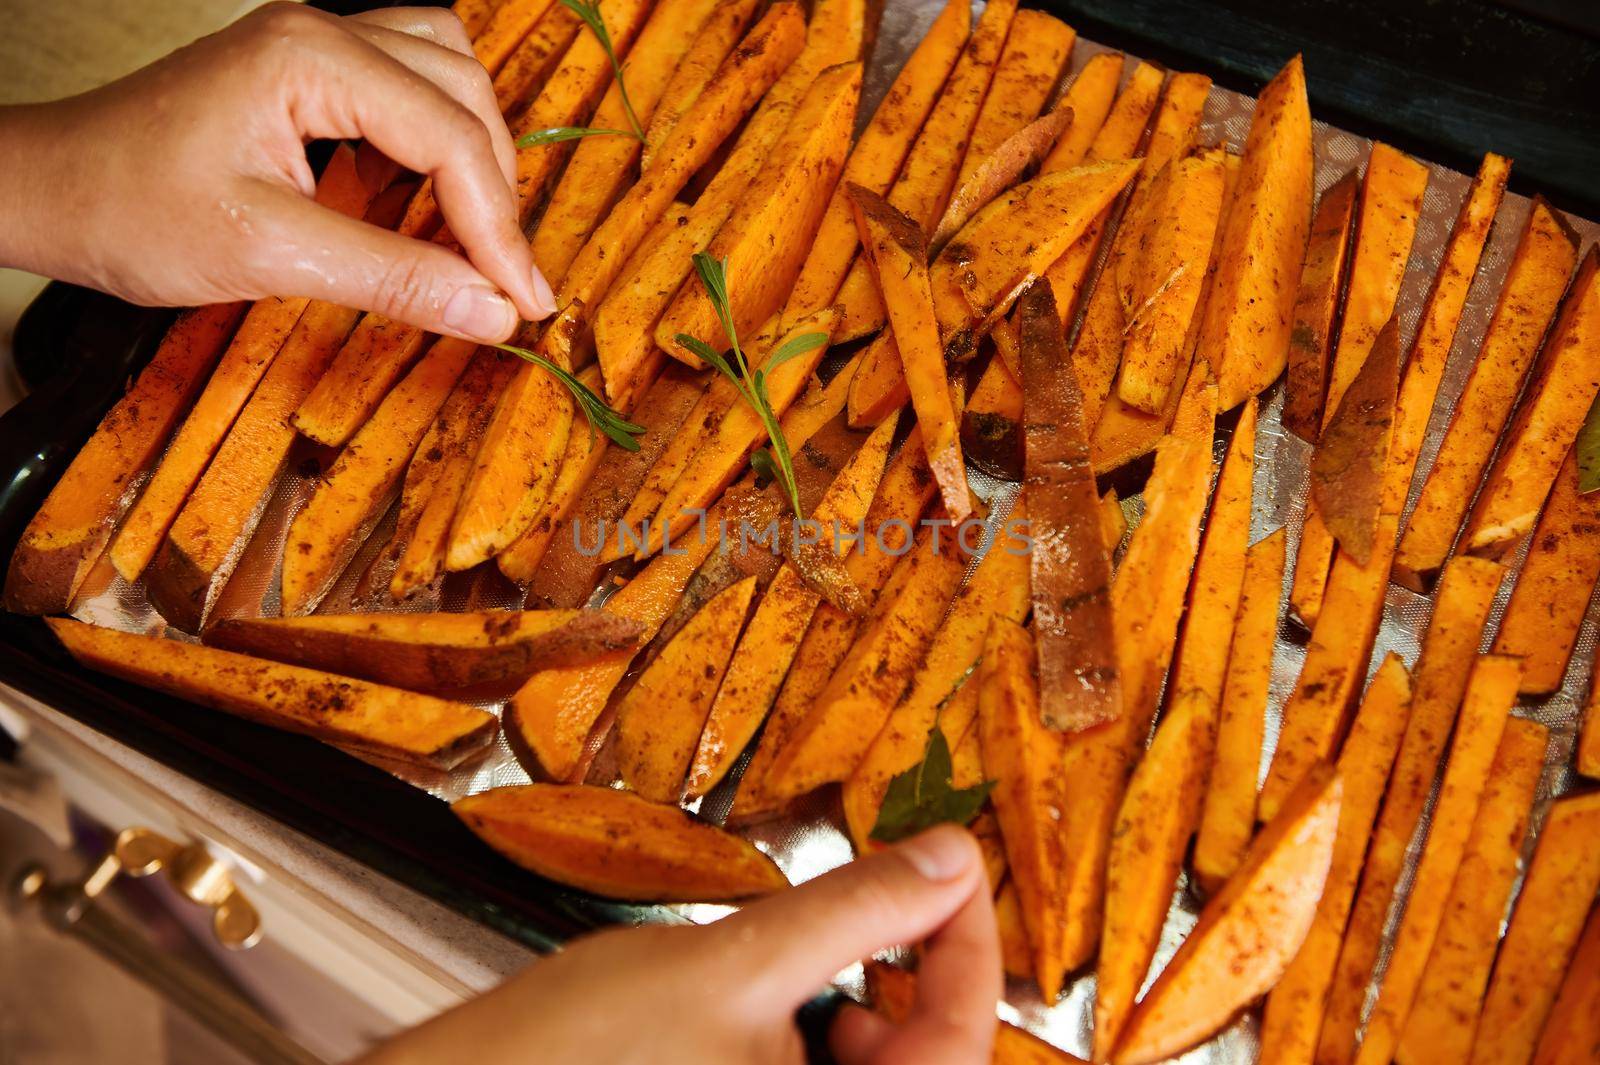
{"x": 557, "y": 134}
{"x": 589, "y": 12}
{"x": 777, "y": 464}
{"x": 600, "y": 417}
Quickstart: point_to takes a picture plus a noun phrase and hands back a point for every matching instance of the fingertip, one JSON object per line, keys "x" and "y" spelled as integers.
{"x": 477, "y": 312}
{"x": 857, "y": 1034}
{"x": 544, "y": 300}
{"x": 942, "y": 853}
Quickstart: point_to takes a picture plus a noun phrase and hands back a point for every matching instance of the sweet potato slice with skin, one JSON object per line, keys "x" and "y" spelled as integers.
{"x": 928, "y": 176}
{"x": 659, "y": 720}
{"x": 769, "y": 643}
{"x": 1315, "y": 333}
{"x": 831, "y": 740}
{"x": 905, "y": 490}
{"x": 1228, "y": 820}
{"x": 1484, "y": 709}
{"x": 877, "y": 158}
{"x": 1347, "y": 468}
{"x": 67, "y": 536}
{"x": 1090, "y": 98}
{"x": 1554, "y": 585}
{"x": 1448, "y": 650}
{"x": 1037, "y": 46}
{"x": 764, "y": 242}
{"x": 355, "y": 714}
{"x": 1533, "y": 287}
{"x": 1445, "y": 1014}
{"x": 1352, "y": 601}
{"x": 1555, "y": 404}
{"x": 210, "y": 532}
{"x": 430, "y": 652}
{"x": 1543, "y": 934}
{"x": 504, "y": 30}
{"x": 998, "y": 172}
{"x": 1294, "y": 1009}
{"x": 1247, "y": 935}
{"x": 352, "y": 496}
{"x": 1391, "y": 200}
{"x": 601, "y": 166}
{"x": 1249, "y": 312}
{"x": 617, "y": 845}
{"x": 1023, "y": 758}
{"x": 998, "y": 588}
{"x": 710, "y": 47}
{"x": 1070, "y": 565}
{"x": 1572, "y": 1032}
{"x": 1147, "y": 600}
{"x": 895, "y": 246}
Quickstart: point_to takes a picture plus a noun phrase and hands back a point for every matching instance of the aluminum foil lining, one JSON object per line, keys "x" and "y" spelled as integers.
{"x": 810, "y": 841}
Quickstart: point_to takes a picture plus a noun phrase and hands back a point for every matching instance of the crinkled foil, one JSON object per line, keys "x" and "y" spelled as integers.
{"x": 810, "y": 842}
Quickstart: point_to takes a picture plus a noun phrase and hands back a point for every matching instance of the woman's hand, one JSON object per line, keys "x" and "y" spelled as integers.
{"x": 727, "y": 992}
{"x": 187, "y": 183}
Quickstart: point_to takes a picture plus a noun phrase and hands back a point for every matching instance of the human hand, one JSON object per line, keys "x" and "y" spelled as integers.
{"x": 187, "y": 182}
{"x": 727, "y": 992}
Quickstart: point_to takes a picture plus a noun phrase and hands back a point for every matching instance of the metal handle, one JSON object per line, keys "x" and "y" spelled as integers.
{"x": 68, "y": 906}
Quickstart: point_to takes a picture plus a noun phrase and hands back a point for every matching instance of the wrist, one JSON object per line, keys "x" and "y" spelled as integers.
{"x": 43, "y": 210}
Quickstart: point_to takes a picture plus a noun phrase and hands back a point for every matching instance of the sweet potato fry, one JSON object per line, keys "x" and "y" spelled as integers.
{"x": 1089, "y": 98}
{"x": 430, "y": 652}
{"x": 1316, "y": 321}
{"x": 898, "y": 251}
{"x": 1587, "y": 760}
{"x": 265, "y": 328}
{"x": 617, "y": 845}
{"x": 764, "y": 242}
{"x": 1016, "y": 954}
{"x": 354, "y": 714}
{"x": 998, "y": 589}
{"x": 1250, "y": 308}
{"x": 877, "y": 158}
{"x": 1484, "y": 708}
{"x": 1037, "y": 46}
{"x": 1391, "y": 200}
{"x": 354, "y": 493}
{"x": 1070, "y": 565}
{"x": 210, "y": 532}
{"x": 1556, "y": 401}
{"x": 1544, "y": 931}
{"x": 1441, "y": 1022}
{"x": 773, "y": 636}
{"x": 601, "y": 166}
{"x": 830, "y": 741}
{"x": 659, "y": 720}
{"x": 1146, "y": 602}
{"x": 1534, "y": 283}
{"x": 712, "y": 43}
{"x": 1448, "y": 650}
{"x": 1176, "y": 129}
{"x": 1229, "y": 816}
{"x": 1572, "y": 1033}
{"x": 1247, "y": 935}
{"x": 504, "y": 30}
{"x": 991, "y": 423}
{"x": 1180, "y": 208}
{"x": 1352, "y": 602}
{"x": 1554, "y": 585}
{"x": 928, "y": 176}
{"x": 1294, "y": 1009}
{"x": 474, "y": 14}
{"x": 66, "y": 537}
{"x": 373, "y": 357}
{"x": 1348, "y": 466}
{"x": 1023, "y": 758}
{"x": 523, "y": 76}
{"x": 1009, "y": 160}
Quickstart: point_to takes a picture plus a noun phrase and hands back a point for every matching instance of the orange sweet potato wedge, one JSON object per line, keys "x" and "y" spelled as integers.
{"x": 1316, "y": 321}
{"x": 618, "y": 845}
{"x": 1352, "y": 456}
{"x": 524, "y": 75}
{"x": 504, "y": 28}
{"x": 1572, "y": 1033}
{"x": 1247, "y": 935}
{"x": 1070, "y": 564}
{"x": 712, "y": 43}
{"x": 355, "y": 714}
{"x": 428, "y": 652}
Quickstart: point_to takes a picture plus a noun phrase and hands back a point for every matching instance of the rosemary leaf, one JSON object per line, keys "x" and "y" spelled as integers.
{"x": 601, "y": 417}
{"x": 557, "y": 134}
{"x": 589, "y": 12}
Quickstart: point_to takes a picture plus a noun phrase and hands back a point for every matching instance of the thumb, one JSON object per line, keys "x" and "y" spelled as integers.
{"x": 799, "y": 939}
{"x": 319, "y": 253}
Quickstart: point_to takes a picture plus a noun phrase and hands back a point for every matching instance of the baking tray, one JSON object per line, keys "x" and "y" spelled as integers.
{"x": 76, "y": 350}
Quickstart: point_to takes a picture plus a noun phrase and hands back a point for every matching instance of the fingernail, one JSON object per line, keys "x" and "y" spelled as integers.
{"x": 543, "y": 298}
{"x": 942, "y": 853}
{"x": 481, "y": 313}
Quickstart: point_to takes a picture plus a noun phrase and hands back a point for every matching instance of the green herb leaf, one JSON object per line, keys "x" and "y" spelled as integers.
{"x": 557, "y": 134}
{"x": 1588, "y": 446}
{"x": 793, "y": 348}
{"x": 708, "y": 355}
{"x": 600, "y": 417}
{"x": 589, "y": 12}
{"x": 922, "y": 796}
{"x": 762, "y": 462}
